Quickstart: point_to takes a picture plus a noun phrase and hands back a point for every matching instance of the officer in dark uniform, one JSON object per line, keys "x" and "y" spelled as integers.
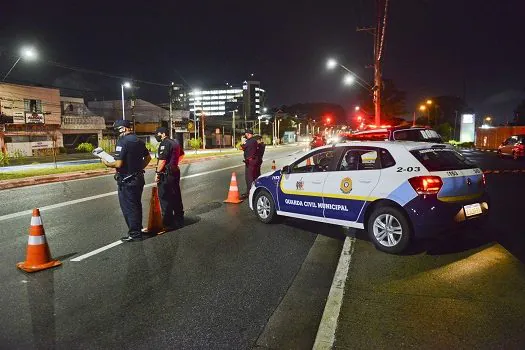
{"x": 250, "y": 160}
{"x": 131, "y": 158}
{"x": 261, "y": 147}
{"x": 168, "y": 179}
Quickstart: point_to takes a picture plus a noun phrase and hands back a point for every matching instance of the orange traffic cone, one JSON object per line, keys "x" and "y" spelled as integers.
{"x": 38, "y": 256}
{"x": 155, "y": 215}
{"x": 273, "y": 165}
{"x": 233, "y": 194}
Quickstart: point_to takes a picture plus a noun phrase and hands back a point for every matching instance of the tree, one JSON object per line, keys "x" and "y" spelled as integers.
{"x": 519, "y": 114}
{"x": 393, "y": 101}
{"x": 316, "y": 111}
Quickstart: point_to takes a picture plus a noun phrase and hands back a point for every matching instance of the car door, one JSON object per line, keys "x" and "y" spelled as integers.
{"x": 509, "y": 145}
{"x": 347, "y": 189}
{"x": 300, "y": 190}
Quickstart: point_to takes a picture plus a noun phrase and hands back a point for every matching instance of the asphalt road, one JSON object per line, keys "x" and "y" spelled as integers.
{"x": 461, "y": 290}
{"x": 223, "y": 281}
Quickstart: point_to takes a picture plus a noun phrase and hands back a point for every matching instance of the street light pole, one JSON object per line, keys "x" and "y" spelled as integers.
{"x": 233, "y": 122}
{"x": 171, "y": 112}
{"x": 123, "y": 113}
{"x": 27, "y": 53}
{"x": 5, "y": 76}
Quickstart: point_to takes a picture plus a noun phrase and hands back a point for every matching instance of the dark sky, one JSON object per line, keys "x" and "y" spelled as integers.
{"x": 431, "y": 46}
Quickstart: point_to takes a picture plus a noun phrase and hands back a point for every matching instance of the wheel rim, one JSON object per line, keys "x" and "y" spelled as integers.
{"x": 263, "y": 207}
{"x": 387, "y": 230}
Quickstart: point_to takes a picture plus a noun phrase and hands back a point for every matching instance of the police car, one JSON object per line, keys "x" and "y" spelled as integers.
{"x": 395, "y": 190}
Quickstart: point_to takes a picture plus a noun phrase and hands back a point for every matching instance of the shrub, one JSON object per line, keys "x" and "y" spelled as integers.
{"x": 17, "y": 154}
{"x": 4, "y": 159}
{"x": 195, "y": 144}
{"x": 85, "y": 147}
{"x": 152, "y": 147}
{"x": 107, "y": 144}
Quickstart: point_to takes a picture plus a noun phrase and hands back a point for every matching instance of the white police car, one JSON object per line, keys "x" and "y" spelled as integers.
{"x": 395, "y": 190}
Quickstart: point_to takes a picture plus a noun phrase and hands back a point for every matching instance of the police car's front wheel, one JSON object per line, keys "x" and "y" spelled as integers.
{"x": 265, "y": 207}
{"x": 389, "y": 229}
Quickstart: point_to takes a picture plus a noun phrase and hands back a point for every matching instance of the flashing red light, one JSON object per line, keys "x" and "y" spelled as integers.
{"x": 359, "y": 118}
{"x": 426, "y": 184}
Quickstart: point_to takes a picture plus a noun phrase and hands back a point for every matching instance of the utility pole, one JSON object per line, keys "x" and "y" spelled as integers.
{"x": 133, "y": 108}
{"x": 379, "y": 40}
{"x": 171, "y": 112}
{"x": 203, "y": 119}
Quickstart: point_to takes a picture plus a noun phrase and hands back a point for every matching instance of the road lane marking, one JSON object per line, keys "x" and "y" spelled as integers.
{"x": 96, "y": 251}
{"x": 325, "y": 337}
{"x": 98, "y": 196}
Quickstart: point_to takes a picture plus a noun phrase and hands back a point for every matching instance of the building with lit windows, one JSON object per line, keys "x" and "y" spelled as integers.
{"x": 217, "y": 103}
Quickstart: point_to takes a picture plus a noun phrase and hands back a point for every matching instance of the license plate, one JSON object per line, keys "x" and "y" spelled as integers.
{"x": 472, "y": 209}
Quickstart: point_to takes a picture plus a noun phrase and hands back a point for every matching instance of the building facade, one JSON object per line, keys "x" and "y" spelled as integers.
{"x": 30, "y": 119}
{"x": 247, "y": 101}
{"x": 79, "y": 124}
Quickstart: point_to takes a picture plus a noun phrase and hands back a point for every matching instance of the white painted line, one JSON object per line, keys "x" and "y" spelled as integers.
{"x": 98, "y": 196}
{"x": 326, "y": 333}
{"x": 96, "y": 251}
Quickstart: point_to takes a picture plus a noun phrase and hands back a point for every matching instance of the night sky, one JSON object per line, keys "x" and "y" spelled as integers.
{"x": 432, "y": 47}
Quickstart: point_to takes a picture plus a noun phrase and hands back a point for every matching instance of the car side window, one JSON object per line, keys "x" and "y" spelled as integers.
{"x": 513, "y": 140}
{"x": 387, "y": 160}
{"x": 359, "y": 159}
{"x": 316, "y": 162}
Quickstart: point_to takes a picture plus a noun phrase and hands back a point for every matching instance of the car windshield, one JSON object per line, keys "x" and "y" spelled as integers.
{"x": 442, "y": 159}
{"x": 420, "y": 135}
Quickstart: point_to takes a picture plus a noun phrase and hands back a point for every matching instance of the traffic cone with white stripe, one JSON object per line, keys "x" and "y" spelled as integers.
{"x": 155, "y": 214}
{"x": 38, "y": 256}
{"x": 273, "y": 165}
{"x": 233, "y": 194}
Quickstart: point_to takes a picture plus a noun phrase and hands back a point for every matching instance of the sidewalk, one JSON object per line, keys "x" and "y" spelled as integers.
{"x": 472, "y": 302}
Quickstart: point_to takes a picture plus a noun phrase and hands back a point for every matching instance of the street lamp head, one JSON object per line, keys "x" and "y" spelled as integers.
{"x": 349, "y": 79}
{"x": 357, "y": 108}
{"x": 265, "y": 109}
{"x": 429, "y": 102}
{"x": 422, "y": 108}
{"x": 126, "y": 84}
{"x": 28, "y": 53}
{"x": 331, "y": 63}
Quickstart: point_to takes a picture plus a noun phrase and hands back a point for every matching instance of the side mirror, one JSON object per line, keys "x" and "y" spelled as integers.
{"x": 286, "y": 169}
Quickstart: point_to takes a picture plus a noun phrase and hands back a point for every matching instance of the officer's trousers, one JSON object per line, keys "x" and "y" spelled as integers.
{"x": 250, "y": 173}
{"x": 171, "y": 200}
{"x": 130, "y": 199}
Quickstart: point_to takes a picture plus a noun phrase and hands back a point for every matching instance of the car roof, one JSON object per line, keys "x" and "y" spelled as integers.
{"x": 403, "y": 145}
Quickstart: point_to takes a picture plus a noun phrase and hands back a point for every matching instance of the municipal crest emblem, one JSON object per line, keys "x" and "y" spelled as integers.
{"x": 346, "y": 185}
{"x": 299, "y": 185}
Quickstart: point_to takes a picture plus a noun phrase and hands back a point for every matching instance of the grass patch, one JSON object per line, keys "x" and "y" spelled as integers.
{"x": 49, "y": 171}
{"x": 86, "y": 167}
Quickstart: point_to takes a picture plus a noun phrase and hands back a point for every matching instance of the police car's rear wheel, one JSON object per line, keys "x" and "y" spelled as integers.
{"x": 265, "y": 207}
{"x": 389, "y": 229}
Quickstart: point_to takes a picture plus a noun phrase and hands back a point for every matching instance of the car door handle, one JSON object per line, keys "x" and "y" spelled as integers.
{"x": 366, "y": 181}
{"x": 317, "y": 182}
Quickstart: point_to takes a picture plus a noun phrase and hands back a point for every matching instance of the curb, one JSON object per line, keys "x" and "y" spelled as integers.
{"x": 43, "y": 179}
{"x": 326, "y": 333}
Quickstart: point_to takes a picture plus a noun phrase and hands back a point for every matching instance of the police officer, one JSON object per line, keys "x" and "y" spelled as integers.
{"x": 131, "y": 158}
{"x": 168, "y": 179}
{"x": 261, "y": 147}
{"x": 250, "y": 160}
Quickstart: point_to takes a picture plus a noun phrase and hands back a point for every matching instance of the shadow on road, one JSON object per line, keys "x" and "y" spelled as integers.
{"x": 41, "y": 297}
{"x": 327, "y": 230}
{"x": 452, "y": 242}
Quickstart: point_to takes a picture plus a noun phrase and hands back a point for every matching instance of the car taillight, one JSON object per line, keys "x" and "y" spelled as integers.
{"x": 426, "y": 184}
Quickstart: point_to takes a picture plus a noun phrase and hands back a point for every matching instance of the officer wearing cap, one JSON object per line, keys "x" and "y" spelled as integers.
{"x": 131, "y": 158}
{"x": 250, "y": 160}
{"x": 168, "y": 179}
